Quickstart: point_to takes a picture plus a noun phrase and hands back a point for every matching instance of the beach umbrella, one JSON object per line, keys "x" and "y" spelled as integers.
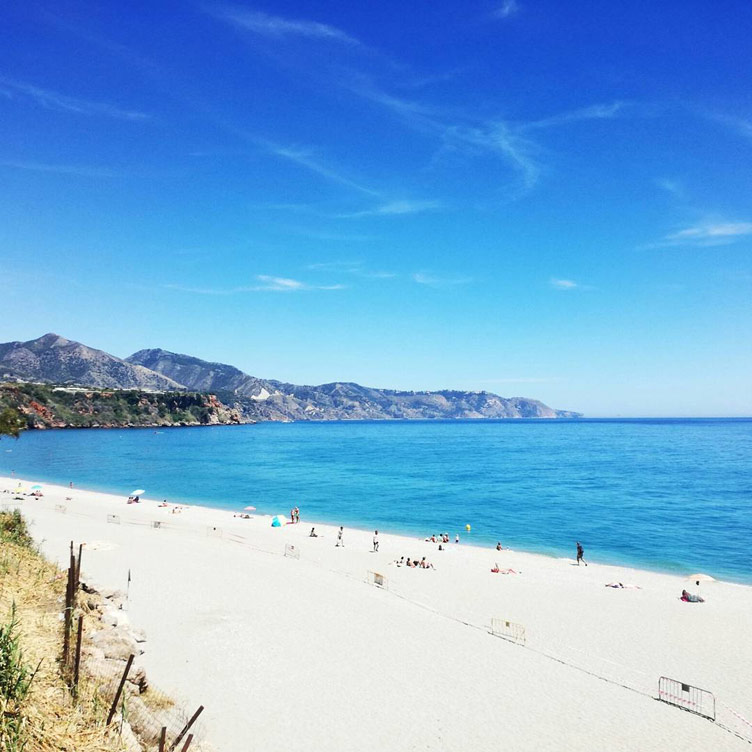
{"x": 37, "y": 487}
{"x": 249, "y": 509}
{"x": 19, "y": 490}
{"x": 700, "y": 577}
{"x": 138, "y": 492}
{"x": 279, "y": 520}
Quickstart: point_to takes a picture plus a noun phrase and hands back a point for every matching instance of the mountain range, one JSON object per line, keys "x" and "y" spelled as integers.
{"x": 56, "y": 360}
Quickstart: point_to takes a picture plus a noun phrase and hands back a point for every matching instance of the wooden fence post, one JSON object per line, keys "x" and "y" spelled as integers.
{"x": 187, "y": 743}
{"x": 78, "y": 565}
{"x": 120, "y": 689}
{"x": 77, "y": 662}
{"x": 162, "y": 738}
{"x": 68, "y": 618}
{"x": 185, "y": 729}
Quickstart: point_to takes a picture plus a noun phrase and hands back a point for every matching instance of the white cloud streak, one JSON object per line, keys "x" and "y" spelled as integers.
{"x": 356, "y": 268}
{"x": 304, "y": 158}
{"x": 432, "y": 280}
{"x": 593, "y": 112}
{"x": 277, "y": 27}
{"x": 710, "y": 234}
{"x": 395, "y": 208}
{"x": 563, "y": 284}
{"x": 673, "y": 187}
{"x": 266, "y": 283}
{"x": 64, "y": 103}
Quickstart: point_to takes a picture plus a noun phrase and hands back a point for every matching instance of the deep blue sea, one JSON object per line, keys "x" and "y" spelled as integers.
{"x": 665, "y": 494}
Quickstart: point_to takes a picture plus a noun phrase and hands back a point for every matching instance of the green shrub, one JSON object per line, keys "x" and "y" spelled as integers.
{"x": 15, "y": 675}
{"x": 13, "y": 529}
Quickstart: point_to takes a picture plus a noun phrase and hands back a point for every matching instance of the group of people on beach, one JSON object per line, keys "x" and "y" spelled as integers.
{"x": 414, "y": 563}
{"x": 294, "y": 515}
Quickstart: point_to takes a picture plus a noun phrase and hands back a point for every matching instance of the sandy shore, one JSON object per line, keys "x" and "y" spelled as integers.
{"x": 302, "y": 654}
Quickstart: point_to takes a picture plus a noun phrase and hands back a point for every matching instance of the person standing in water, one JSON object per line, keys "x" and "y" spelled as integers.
{"x": 580, "y": 554}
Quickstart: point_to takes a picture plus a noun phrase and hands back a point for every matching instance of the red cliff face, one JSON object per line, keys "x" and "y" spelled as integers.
{"x": 40, "y": 416}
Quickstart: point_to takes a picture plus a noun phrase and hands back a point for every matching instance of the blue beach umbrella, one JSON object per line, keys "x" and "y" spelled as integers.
{"x": 279, "y": 520}
{"x": 37, "y": 487}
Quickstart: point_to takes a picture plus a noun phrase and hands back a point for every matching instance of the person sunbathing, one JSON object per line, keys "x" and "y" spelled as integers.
{"x": 691, "y": 598}
{"x": 621, "y": 585}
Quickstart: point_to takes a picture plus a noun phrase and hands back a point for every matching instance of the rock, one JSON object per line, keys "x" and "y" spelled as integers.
{"x": 138, "y": 634}
{"x": 112, "y": 595}
{"x": 128, "y": 739}
{"x": 115, "y": 617}
{"x": 138, "y": 678}
{"x": 116, "y": 644}
{"x": 144, "y": 722}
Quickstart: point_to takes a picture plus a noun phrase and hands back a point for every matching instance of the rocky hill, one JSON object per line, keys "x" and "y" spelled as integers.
{"x": 261, "y": 399}
{"x": 57, "y": 360}
{"x": 200, "y": 375}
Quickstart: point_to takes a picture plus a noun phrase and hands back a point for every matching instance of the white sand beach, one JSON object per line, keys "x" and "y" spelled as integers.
{"x": 303, "y": 654}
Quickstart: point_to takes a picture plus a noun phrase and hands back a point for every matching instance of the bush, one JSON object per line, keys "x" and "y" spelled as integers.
{"x": 13, "y": 529}
{"x": 15, "y": 675}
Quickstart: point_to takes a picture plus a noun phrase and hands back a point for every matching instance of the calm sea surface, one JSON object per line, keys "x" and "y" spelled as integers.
{"x": 672, "y": 495}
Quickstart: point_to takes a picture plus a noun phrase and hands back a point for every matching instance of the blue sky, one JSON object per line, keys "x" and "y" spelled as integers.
{"x": 533, "y": 198}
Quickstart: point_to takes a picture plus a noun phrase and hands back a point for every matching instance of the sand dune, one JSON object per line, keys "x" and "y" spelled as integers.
{"x": 303, "y": 654}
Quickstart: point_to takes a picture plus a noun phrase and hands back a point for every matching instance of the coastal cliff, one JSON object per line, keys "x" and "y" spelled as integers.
{"x": 43, "y": 406}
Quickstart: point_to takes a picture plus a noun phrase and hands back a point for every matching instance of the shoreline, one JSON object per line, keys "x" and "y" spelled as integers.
{"x": 235, "y": 625}
{"x": 465, "y": 539}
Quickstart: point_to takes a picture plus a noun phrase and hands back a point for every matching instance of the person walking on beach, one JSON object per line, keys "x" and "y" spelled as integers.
{"x": 580, "y": 554}
{"x": 375, "y": 541}
{"x": 340, "y": 540}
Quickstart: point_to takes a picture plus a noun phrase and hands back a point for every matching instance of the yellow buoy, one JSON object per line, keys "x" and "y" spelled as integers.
{"x": 467, "y": 527}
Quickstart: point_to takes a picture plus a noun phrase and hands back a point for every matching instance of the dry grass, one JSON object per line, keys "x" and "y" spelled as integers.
{"x": 47, "y": 718}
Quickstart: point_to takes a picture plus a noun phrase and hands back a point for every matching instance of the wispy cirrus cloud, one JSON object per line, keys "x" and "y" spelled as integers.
{"x": 507, "y": 9}
{"x": 709, "y": 234}
{"x": 433, "y": 280}
{"x": 592, "y": 112}
{"x": 60, "y": 169}
{"x": 395, "y": 208}
{"x": 563, "y": 284}
{"x": 264, "y": 283}
{"x": 356, "y": 268}
{"x": 278, "y": 27}
{"x": 671, "y": 186}
{"x": 741, "y": 126}
{"x": 310, "y": 161}
{"x": 56, "y": 101}
{"x": 510, "y": 141}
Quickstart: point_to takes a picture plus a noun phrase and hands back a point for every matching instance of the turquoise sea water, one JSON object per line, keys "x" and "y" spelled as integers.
{"x": 672, "y": 495}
